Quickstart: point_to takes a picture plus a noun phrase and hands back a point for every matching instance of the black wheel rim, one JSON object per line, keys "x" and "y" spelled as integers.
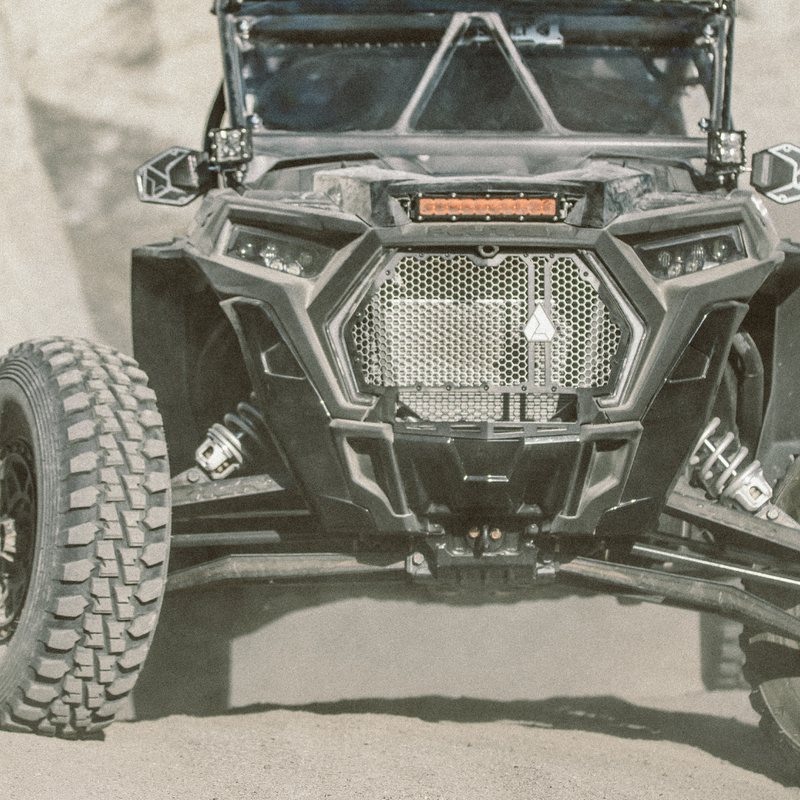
{"x": 17, "y": 531}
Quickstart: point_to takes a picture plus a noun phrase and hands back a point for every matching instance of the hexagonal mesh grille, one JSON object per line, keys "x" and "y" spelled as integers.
{"x": 458, "y": 321}
{"x": 587, "y": 337}
{"x": 466, "y": 406}
{"x": 443, "y": 319}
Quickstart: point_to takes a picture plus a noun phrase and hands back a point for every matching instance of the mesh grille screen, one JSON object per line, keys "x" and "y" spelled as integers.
{"x": 465, "y": 406}
{"x": 444, "y": 319}
{"x": 587, "y": 338}
{"x": 454, "y": 320}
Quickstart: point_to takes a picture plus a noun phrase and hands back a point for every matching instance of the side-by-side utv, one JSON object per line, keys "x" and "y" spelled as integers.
{"x": 472, "y": 302}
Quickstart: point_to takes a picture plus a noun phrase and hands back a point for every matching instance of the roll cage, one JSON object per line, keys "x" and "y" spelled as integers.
{"x": 656, "y": 32}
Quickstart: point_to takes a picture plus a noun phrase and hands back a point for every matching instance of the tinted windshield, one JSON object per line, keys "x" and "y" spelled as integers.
{"x": 624, "y": 89}
{"x": 329, "y": 87}
{"x": 555, "y": 74}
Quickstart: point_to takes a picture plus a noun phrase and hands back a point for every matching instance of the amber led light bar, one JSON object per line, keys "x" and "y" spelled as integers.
{"x": 518, "y": 207}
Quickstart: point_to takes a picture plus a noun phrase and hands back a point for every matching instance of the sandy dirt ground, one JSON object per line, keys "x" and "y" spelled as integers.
{"x": 417, "y": 749}
{"x": 326, "y": 692}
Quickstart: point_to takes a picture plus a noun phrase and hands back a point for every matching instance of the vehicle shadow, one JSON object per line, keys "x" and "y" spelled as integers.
{"x": 738, "y": 743}
{"x": 188, "y": 672}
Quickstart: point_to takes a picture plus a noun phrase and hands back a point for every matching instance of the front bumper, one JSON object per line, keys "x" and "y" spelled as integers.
{"x": 604, "y": 466}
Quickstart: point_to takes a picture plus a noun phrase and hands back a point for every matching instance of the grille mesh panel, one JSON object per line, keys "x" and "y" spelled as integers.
{"x": 466, "y": 406}
{"x": 445, "y": 319}
{"x": 454, "y": 320}
{"x": 587, "y": 336}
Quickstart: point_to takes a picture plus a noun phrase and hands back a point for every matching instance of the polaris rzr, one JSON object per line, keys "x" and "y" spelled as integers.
{"x": 472, "y": 302}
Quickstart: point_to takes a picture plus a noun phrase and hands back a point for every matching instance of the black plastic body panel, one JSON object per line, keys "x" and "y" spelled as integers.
{"x": 169, "y": 294}
{"x": 362, "y": 474}
{"x": 775, "y": 323}
{"x": 675, "y": 419}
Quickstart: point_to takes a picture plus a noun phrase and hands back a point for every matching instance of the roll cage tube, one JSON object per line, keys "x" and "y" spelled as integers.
{"x": 215, "y": 114}
{"x": 716, "y": 38}
{"x": 454, "y": 35}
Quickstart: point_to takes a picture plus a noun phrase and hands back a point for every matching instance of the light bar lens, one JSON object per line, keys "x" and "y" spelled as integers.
{"x": 230, "y": 146}
{"x": 726, "y": 148}
{"x": 683, "y": 255}
{"x": 277, "y": 251}
{"x": 487, "y": 207}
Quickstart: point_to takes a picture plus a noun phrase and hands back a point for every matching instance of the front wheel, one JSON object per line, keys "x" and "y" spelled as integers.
{"x": 721, "y": 657}
{"x": 772, "y": 662}
{"x": 84, "y": 533}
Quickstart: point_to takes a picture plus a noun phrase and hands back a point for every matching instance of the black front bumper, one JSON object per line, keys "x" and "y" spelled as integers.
{"x": 362, "y": 470}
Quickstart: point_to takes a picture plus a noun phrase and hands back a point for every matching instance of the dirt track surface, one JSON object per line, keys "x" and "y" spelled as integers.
{"x": 418, "y": 748}
{"x": 258, "y": 694}
{"x": 376, "y": 697}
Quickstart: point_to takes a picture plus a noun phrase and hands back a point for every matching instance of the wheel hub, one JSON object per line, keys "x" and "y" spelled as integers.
{"x": 17, "y": 526}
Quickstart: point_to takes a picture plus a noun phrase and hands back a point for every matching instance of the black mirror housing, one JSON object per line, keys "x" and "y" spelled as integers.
{"x": 175, "y": 177}
{"x": 776, "y": 173}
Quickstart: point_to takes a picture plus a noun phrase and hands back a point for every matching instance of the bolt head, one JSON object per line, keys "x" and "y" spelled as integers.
{"x": 772, "y": 513}
{"x": 417, "y": 559}
{"x": 474, "y": 533}
{"x": 495, "y": 534}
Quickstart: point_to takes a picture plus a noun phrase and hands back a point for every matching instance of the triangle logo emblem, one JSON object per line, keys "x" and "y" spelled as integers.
{"x": 539, "y": 327}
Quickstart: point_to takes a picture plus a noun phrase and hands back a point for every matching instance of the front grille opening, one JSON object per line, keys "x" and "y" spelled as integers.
{"x": 466, "y": 406}
{"x": 448, "y": 330}
{"x": 445, "y": 319}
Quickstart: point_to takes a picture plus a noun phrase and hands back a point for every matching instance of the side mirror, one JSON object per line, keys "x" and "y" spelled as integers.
{"x": 175, "y": 177}
{"x": 776, "y": 173}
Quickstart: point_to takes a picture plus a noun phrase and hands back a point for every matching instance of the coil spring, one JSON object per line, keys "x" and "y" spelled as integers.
{"x": 229, "y": 446}
{"x": 718, "y": 470}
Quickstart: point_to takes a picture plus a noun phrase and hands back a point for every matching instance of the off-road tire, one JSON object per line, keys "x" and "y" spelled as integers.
{"x": 85, "y": 480}
{"x": 772, "y": 663}
{"x": 772, "y": 668}
{"x": 721, "y": 657}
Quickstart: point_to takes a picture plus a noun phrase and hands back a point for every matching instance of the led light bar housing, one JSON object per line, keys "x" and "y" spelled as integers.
{"x": 726, "y": 149}
{"x": 509, "y": 207}
{"x": 230, "y": 147}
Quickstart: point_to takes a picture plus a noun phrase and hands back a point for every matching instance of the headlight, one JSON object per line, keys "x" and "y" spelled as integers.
{"x": 681, "y": 255}
{"x": 279, "y": 252}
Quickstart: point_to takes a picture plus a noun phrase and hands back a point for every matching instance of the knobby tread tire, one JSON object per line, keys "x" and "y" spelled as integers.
{"x": 721, "y": 657}
{"x": 772, "y": 668}
{"x": 772, "y": 662}
{"x": 788, "y": 751}
{"x": 102, "y": 534}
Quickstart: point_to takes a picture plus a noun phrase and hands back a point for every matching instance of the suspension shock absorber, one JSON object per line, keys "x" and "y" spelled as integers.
{"x": 240, "y": 440}
{"x": 718, "y": 461}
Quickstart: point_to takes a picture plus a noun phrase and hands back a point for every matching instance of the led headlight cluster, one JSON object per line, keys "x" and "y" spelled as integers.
{"x": 682, "y": 255}
{"x": 277, "y": 251}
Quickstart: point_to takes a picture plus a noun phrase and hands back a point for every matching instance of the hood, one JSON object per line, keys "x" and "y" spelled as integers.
{"x": 589, "y": 196}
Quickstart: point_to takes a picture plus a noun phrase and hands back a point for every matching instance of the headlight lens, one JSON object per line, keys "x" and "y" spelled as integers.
{"x": 681, "y": 255}
{"x": 277, "y": 251}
